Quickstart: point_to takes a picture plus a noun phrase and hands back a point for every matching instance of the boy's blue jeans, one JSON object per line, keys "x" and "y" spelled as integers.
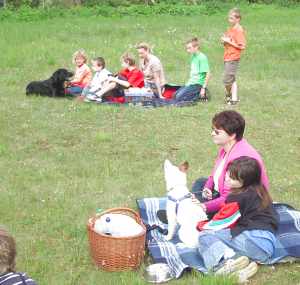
{"x": 213, "y": 245}
{"x": 188, "y": 93}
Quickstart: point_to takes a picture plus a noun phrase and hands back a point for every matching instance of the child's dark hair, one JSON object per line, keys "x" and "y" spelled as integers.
{"x": 7, "y": 252}
{"x": 247, "y": 171}
{"x": 100, "y": 61}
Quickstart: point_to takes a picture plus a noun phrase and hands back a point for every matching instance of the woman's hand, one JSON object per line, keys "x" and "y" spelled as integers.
{"x": 207, "y": 193}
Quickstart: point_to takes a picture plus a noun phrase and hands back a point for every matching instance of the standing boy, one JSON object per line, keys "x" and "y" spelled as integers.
{"x": 199, "y": 74}
{"x": 234, "y": 43}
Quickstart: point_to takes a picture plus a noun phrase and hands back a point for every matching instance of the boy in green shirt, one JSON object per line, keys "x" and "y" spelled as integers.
{"x": 199, "y": 74}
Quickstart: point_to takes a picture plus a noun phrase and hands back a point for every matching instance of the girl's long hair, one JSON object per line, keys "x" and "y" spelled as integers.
{"x": 247, "y": 171}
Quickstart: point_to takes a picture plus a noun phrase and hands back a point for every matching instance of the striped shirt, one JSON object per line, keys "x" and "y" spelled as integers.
{"x": 16, "y": 278}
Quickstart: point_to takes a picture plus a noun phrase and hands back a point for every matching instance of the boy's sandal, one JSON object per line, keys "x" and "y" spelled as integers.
{"x": 233, "y": 102}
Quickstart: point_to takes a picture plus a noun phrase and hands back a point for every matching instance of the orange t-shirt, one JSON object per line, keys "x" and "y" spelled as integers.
{"x": 82, "y": 77}
{"x": 238, "y": 37}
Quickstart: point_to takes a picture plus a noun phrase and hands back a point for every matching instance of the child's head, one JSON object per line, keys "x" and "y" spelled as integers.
{"x": 244, "y": 174}
{"x": 7, "y": 252}
{"x": 79, "y": 57}
{"x": 98, "y": 63}
{"x": 127, "y": 60}
{"x": 192, "y": 45}
{"x": 234, "y": 16}
{"x": 143, "y": 50}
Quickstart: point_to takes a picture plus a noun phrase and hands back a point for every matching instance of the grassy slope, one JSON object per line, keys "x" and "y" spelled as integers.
{"x": 61, "y": 160}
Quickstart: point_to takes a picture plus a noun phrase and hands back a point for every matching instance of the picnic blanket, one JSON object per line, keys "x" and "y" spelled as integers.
{"x": 179, "y": 258}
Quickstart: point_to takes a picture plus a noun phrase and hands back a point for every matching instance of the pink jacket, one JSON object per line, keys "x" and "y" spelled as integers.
{"x": 241, "y": 148}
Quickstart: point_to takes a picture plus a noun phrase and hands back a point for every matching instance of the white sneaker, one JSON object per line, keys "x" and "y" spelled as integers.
{"x": 233, "y": 265}
{"x": 99, "y": 99}
{"x": 92, "y": 97}
{"x": 244, "y": 274}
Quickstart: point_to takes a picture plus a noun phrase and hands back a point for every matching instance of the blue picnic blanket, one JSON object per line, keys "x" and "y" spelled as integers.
{"x": 179, "y": 258}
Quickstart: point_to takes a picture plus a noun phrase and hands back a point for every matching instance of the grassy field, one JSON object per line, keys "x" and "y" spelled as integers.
{"x": 60, "y": 160}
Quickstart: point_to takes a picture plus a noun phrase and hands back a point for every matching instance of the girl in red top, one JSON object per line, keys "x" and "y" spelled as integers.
{"x": 129, "y": 76}
{"x": 83, "y": 74}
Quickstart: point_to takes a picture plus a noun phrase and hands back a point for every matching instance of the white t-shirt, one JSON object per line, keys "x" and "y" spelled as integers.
{"x": 98, "y": 80}
{"x": 218, "y": 173}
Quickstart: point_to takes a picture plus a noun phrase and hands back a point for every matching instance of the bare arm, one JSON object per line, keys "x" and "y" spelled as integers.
{"x": 207, "y": 78}
{"x": 157, "y": 83}
{"x": 231, "y": 42}
{"x": 124, "y": 83}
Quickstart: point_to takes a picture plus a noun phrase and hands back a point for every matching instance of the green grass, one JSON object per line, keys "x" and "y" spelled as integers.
{"x": 60, "y": 160}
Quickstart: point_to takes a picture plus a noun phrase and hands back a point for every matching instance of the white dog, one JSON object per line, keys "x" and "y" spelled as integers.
{"x": 180, "y": 208}
{"x": 117, "y": 225}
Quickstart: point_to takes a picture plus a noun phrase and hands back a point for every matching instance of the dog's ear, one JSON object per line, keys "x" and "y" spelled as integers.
{"x": 184, "y": 166}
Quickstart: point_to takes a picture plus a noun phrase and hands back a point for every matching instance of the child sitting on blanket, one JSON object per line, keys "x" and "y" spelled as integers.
{"x": 199, "y": 74}
{"x": 101, "y": 77}
{"x": 253, "y": 235}
{"x": 129, "y": 77}
{"x": 83, "y": 74}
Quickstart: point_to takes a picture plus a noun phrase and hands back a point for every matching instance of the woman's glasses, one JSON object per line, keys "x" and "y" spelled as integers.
{"x": 216, "y": 131}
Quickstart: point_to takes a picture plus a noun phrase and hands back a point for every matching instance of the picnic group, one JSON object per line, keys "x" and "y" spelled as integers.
{"x": 241, "y": 224}
{"x": 147, "y": 80}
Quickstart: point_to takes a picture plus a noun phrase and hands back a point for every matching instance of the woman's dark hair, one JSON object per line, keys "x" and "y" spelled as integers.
{"x": 247, "y": 171}
{"x": 231, "y": 122}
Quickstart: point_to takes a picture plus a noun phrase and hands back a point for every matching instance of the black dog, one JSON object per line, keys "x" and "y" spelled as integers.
{"x": 52, "y": 87}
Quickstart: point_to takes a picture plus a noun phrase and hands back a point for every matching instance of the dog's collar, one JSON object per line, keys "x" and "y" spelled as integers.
{"x": 186, "y": 196}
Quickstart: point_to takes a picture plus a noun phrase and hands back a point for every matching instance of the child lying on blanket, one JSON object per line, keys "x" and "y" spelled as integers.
{"x": 253, "y": 234}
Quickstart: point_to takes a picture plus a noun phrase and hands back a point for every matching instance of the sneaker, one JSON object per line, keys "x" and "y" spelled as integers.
{"x": 244, "y": 274}
{"x": 233, "y": 102}
{"x": 232, "y": 265}
{"x": 91, "y": 97}
{"x": 98, "y": 100}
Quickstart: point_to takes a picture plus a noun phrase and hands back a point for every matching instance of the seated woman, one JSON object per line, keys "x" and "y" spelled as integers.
{"x": 253, "y": 235}
{"x": 130, "y": 76}
{"x": 152, "y": 69}
{"x": 8, "y": 275}
{"x": 227, "y": 132}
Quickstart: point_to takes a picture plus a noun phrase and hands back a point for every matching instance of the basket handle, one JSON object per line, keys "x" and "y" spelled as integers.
{"x": 91, "y": 221}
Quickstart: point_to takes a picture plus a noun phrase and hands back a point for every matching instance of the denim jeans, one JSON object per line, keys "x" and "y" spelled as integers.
{"x": 258, "y": 245}
{"x": 86, "y": 91}
{"x": 153, "y": 87}
{"x": 73, "y": 90}
{"x": 188, "y": 93}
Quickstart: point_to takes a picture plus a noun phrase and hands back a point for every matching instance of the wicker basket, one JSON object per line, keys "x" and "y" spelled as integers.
{"x": 117, "y": 253}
